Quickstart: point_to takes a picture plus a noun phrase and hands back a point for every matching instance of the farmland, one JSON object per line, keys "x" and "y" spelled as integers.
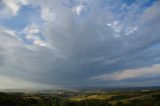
{"x": 141, "y": 97}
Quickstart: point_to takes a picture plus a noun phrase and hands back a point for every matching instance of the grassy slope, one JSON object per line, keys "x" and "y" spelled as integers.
{"x": 107, "y": 96}
{"x": 142, "y": 97}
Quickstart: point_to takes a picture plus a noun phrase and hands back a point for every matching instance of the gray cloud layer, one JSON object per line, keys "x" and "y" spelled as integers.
{"x": 84, "y": 39}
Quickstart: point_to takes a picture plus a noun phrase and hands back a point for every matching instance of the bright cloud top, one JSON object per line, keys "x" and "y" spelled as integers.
{"x": 131, "y": 73}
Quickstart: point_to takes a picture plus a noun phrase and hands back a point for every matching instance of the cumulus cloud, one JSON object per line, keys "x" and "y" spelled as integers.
{"x": 11, "y": 7}
{"x": 79, "y": 9}
{"x": 48, "y": 15}
{"x": 33, "y": 34}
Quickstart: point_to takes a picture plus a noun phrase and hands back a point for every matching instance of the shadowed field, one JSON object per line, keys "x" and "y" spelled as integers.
{"x": 83, "y": 98}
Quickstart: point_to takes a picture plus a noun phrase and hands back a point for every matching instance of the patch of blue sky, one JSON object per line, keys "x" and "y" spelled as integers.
{"x": 128, "y": 2}
{"x": 25, "y": 16}
{"x": 145, "y": 6}
{"x": 122, "y": 8}
{"x": 148, "y": 4}
{"x": 39, "y": 35}
{"x": 105, "y": 4}
{"x": 26, "y": 41}
{"x": 145, "y": 3}
{"x": 22, "y": 19}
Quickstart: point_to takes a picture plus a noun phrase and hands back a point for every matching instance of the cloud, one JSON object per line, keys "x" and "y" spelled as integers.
{"x": 79, "y": 9}
{"x": 12, "y": 6}
{"x": 48, "y": 15}
{"x": 9, "y": 82}
{"x": 121, "y": 29}
{"x": 18, "y": 62}
{"x": 131, "y": 73}
{"x": 74, "y": 41}
{"x": 33, "y": 34}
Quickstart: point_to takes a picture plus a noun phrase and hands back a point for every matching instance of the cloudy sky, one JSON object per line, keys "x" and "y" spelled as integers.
{"x": 70, "y": 43}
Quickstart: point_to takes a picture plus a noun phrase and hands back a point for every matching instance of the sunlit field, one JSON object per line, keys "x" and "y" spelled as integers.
{"x": 145, "y": 97}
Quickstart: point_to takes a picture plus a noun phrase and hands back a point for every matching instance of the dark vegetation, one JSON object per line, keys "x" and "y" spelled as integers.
{"x": 83, "y": 98}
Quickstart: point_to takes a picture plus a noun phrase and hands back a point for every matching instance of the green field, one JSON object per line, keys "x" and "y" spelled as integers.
{"x": 83, "y": 98}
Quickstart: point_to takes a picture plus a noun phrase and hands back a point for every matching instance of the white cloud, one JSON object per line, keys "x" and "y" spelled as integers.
{"x": 24, "y": 2}
{"x": 33, "y": 32}
{"x": 12, "y": 6}
{"x": 130, "y": 30}
{"x": 78, "y": 9}
{"x": 9, "y": 31}
{"x": 8, "y": 37}
{"x": 48, "y": 15}
{"x": 40, "y": 43}
{"x": 122, "y": 29}
{"x": 131, "y": 73}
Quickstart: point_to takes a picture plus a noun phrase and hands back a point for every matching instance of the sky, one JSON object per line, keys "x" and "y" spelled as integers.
{"x": 75, "y": 43}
